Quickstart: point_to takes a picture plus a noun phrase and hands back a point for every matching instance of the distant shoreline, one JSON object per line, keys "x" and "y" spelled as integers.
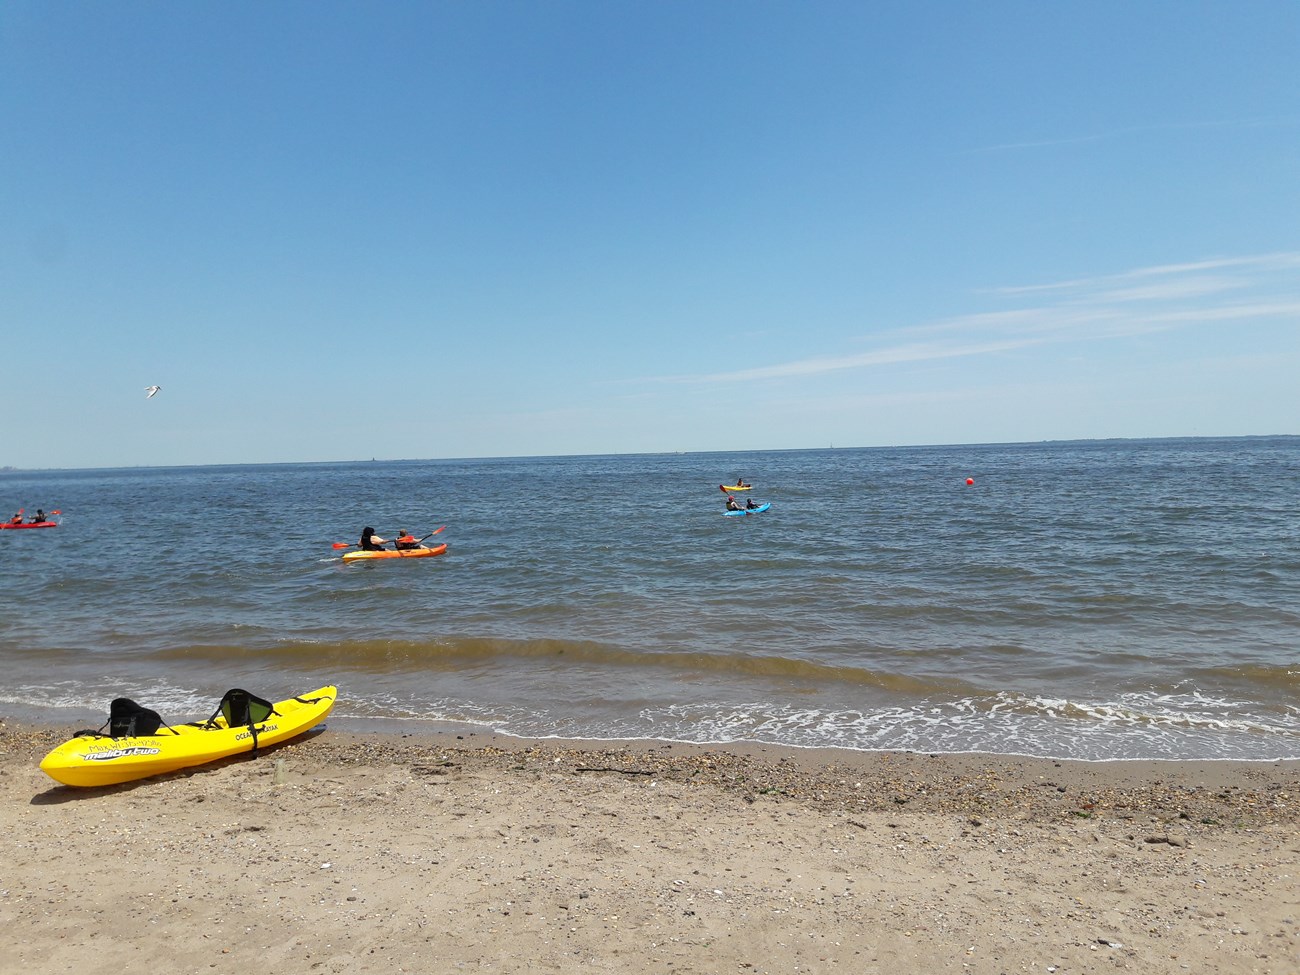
{"x": 1213, "y": 790}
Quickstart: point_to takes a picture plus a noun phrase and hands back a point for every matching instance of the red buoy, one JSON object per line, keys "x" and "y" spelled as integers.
{"x": 970, "y": 480}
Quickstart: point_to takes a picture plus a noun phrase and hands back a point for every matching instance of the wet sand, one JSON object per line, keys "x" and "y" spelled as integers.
{"x": 359, "y": 851}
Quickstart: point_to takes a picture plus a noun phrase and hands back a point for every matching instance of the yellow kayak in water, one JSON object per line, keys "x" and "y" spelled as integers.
{"x": 93, "y": 759}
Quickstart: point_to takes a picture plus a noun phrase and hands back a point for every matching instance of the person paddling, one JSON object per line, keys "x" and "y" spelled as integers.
{"x": 405, "y": 540}
{"x": 370, "y": 542}
{"x": 39, "y": 517}
{"x": 733, "y": 504}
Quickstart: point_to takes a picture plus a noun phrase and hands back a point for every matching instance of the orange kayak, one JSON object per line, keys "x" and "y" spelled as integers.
{"x": 406, "y": 553}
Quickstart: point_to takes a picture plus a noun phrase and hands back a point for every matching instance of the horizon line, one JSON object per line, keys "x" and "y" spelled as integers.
{"x": 657, "y": 453}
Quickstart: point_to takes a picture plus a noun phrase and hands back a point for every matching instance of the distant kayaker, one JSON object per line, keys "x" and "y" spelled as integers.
{"x": 750, "y": 503}
{"x": 16, "y": 519}
{"x": 370, "y": 542}
{"x": 40, "y": 516}
{"x": 733, "y": 504}
{"x": 405, "y": 539}
{"x": 740, "y": 483}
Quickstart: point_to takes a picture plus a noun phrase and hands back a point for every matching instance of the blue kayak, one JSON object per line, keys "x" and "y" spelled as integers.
{"x": 751, "y": 511}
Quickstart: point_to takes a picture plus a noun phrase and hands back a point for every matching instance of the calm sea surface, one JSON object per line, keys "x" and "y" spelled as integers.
{"x": 1096, "y": 600}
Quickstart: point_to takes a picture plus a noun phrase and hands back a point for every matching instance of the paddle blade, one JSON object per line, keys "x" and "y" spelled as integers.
{"x": 342, "y": 545}
{"x": 56, "y": 511}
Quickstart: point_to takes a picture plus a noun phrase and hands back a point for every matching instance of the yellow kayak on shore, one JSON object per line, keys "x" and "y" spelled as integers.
{"x": 94, "y": 759}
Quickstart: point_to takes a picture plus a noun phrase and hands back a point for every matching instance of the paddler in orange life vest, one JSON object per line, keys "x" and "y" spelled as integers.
{"x": 405, "y": 539}
{"x": 370, "y": 542}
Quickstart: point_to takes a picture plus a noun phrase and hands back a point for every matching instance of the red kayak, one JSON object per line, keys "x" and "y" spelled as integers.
{"x": 30, "y": 524}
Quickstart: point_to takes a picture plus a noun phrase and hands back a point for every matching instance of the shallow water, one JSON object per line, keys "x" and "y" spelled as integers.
{"x": 1115, "y": 599}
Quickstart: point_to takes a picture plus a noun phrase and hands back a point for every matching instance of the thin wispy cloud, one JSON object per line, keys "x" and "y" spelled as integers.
{"x": 881, "y": 357}
{"x": 1198, "y": 287}
{"x": 1227, "y": 313}
{"x": 1130, "y": 130}
{"x": 1254, "y": 266}
{"x": 1103, "y": 308}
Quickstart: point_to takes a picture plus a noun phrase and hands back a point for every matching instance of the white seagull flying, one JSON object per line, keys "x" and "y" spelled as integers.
{"x": 151, "y": 390}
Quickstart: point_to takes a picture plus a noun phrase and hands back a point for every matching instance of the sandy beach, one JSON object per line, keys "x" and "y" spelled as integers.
{"x": 445, "y": 851}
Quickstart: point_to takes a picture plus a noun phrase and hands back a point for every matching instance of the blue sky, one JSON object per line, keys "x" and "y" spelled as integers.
{"x": 337, "y": 231}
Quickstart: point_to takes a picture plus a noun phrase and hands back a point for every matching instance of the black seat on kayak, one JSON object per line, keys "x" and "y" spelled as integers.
{"x": 126, "y": 719}
{"x": 243, "y": 709}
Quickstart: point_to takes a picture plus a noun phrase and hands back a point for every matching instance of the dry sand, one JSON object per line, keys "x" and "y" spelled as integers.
{"x": 350, "y": 851}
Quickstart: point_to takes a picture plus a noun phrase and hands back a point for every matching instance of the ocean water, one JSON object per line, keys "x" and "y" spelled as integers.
{"x": 1094, "y": 600}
